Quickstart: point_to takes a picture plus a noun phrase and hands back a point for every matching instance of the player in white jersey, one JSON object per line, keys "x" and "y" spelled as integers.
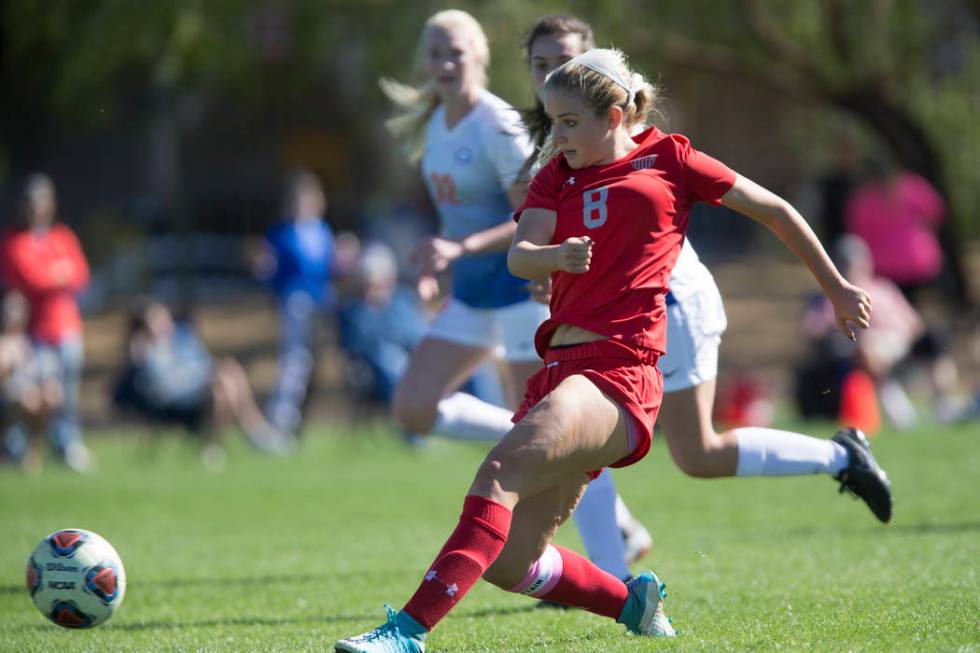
{"x": 473, "y": 163}
{"x": 695, "y": 322}
{"x": 472, "y": 147}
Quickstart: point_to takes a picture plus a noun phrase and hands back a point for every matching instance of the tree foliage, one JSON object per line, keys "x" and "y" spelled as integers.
{"x": 907, "y": 70}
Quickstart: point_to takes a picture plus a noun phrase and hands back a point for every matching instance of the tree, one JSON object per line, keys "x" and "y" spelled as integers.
{"x": 906, "y": 69}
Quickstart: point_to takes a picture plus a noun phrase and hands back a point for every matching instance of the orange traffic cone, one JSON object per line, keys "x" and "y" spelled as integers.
{"x": 859, "y": 402}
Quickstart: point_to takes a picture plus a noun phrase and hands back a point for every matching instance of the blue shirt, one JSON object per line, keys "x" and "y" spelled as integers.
{"x": 304, "y": 255}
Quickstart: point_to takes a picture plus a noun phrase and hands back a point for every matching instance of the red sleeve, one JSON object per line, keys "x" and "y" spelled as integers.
{"x": 28, "y": 274}
{"x": 708, "y": 179}
{"x": 543, "y": 191}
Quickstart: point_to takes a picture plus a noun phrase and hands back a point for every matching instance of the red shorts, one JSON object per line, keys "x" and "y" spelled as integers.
{"x": 627, "y": 375}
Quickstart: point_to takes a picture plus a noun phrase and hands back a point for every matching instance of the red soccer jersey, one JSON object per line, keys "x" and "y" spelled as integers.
{"x": 49, "y": 269}
{"x": 636, "y": 211}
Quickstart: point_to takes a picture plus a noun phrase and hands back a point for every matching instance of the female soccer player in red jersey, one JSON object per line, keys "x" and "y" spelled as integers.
{"x": 695, "y": 321}
{"x": 605, "y": 217}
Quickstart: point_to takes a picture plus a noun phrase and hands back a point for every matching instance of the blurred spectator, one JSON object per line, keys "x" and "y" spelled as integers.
{"x": 296, "y": 258}
{"x": 169, "y": 378}
{"x": 380, "y": 322}
{"x": 41, "y": 259}
{"x": 743, "y": 399}
{"x": 897, "y": 214}
{"x": 895, "y": 342}
{"x": 29, "y": 390}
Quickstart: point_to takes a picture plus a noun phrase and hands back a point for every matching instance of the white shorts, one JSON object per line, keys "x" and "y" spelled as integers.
{"x": 694, "y": 328}
{"x": 508, "y": 330}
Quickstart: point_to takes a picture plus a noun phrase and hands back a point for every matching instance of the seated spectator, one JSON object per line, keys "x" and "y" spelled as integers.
{"x": 380, "y": 322}
{"x": 169, "y": 378}
{"x": 896, "y": 341}
{"x": 30, "y": 394}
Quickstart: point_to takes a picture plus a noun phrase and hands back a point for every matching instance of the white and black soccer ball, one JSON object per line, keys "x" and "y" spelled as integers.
{"x": 75, "y": 578}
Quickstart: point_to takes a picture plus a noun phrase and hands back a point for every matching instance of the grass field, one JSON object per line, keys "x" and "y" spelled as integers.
{"x": 291, "y": 554}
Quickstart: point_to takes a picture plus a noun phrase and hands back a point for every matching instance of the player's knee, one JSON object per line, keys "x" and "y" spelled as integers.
{"x": 691, "y": 461}
{"x": 503, "y": 477}
{"x": 488, "y": 480}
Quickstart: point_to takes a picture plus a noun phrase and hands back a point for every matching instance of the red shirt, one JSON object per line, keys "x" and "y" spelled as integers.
{"x": 48, "y": 268}
{"x": 636, "y": 211}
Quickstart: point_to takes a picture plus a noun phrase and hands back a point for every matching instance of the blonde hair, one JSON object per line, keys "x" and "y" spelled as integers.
{"x": 601, "y": 92}
{"x": 417, "y": 104}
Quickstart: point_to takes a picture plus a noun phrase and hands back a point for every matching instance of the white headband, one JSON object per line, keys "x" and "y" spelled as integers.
{"x": 593, "y": 60}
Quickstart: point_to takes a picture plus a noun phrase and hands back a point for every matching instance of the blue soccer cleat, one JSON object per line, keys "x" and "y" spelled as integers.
{"x": 643, "y": 613}
{"x": 401, "y": 634}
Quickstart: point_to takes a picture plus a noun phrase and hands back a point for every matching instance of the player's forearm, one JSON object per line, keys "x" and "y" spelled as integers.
{"x": 495, "y": 239}
{"x": 791, "y": 228}
{"x": 529, "y": 261}
{"x": 754, "y": 201}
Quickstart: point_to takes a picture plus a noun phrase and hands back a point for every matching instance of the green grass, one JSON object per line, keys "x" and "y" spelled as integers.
{"x": 292, "y": 554}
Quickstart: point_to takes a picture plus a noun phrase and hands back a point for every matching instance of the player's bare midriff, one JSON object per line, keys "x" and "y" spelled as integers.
{"x": 567, "y": 334}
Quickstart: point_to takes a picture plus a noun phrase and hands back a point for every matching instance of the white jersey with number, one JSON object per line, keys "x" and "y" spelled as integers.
{"x": 467, "y": 170}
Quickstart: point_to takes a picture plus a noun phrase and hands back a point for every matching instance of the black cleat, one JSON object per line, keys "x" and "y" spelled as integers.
{"x": 863, "y": 477}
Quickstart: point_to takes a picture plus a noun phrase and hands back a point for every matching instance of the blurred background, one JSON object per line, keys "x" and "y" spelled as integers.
{"x": 170, "y": 132}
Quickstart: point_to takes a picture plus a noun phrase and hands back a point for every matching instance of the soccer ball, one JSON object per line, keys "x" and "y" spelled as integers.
{"x": 75, "y": 578}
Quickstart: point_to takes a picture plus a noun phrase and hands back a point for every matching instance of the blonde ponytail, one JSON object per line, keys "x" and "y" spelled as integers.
{"x": 646, "y": 97}
{"x": 416, "y": 106}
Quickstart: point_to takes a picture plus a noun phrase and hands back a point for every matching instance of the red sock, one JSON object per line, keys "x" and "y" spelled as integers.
{"x": 473, "y": 546}
{"x": 584, "y": 585}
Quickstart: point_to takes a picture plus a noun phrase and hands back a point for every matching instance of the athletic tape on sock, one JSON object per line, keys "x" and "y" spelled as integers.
{"x": 543, "y": 576}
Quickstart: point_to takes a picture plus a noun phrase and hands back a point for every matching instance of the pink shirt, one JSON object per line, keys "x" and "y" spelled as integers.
{"x": 897, "y": 220}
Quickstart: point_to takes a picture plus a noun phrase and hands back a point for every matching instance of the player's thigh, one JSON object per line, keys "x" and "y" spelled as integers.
{"x": 517, "y": 374}
{"x": 435, "y": 368}
{"x": 685, "y": 417}
{"x": 532, "y": 528}
{"x": 575, "y": 429}
{"x": 457, "y": 342}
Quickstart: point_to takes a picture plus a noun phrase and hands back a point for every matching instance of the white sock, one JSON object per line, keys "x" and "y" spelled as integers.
{"x": 768, "y": 452}
{"x": 464, "y": 417}
{"x": 595, "y": 518}
{"x": 624, "y": 518}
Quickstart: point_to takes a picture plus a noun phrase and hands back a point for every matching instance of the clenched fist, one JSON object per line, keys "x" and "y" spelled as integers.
{"x": 574, "y": 255}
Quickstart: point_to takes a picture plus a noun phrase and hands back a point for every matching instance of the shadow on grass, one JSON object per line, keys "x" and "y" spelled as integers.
{"x": 931, "y": 527}
{"x": 239, "y": 621}
{"x": 925, "y": 528}
{"x": 546, "y": 643}
{"x": 244, "y": 581}
{"x": 278, "y": 621}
